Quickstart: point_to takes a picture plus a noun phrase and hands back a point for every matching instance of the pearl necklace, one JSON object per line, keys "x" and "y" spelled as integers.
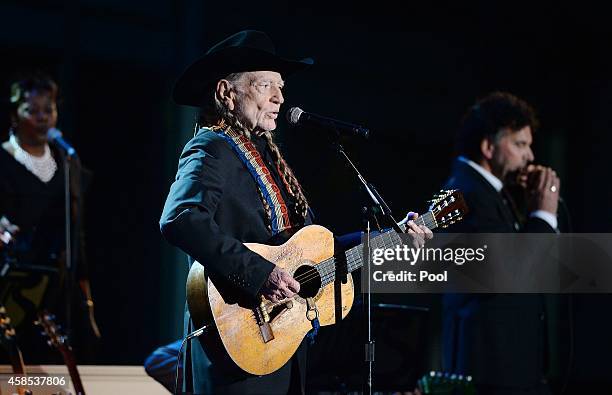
{"x": 43, "y": 167}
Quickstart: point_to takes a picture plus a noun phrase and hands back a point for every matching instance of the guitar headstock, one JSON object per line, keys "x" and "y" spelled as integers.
{"x": 448, "y": 207}
{"x": 55, "y": 338}
{"x": 446, "y": 383}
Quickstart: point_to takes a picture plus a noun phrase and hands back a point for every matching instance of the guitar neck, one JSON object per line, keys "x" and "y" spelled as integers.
{"x": 17, "y": 360}
{"x": 18, "y": 367}
{"x": 9, "y": 343}
{"x": 354, "y": 256}
{"x": 72, "y": 369}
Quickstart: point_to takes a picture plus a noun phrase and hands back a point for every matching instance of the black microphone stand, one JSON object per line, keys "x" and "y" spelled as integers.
{"x": 377, "y": 206}
{"x": 69, "y": 264}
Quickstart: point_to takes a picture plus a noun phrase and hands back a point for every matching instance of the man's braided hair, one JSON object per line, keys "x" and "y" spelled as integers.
{"x": 215, "y": 115}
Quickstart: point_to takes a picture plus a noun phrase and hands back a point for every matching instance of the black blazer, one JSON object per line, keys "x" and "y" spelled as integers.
{"x": 489, "y": 213}
{"x": 213, "y": 207}
{"x": 497, "y": 338}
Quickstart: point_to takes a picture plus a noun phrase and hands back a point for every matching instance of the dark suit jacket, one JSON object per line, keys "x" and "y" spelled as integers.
{"x": 499, "y": 339}
{"x": 213, "y": 207}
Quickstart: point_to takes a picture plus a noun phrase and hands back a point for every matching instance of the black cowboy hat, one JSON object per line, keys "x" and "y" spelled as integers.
{"x": 248, "y": 50}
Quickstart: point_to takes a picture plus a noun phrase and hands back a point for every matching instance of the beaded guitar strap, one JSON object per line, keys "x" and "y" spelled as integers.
{"x": 252, "y": 159}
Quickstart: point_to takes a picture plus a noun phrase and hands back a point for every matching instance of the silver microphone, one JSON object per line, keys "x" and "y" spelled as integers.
{"x": 297, "y": 116}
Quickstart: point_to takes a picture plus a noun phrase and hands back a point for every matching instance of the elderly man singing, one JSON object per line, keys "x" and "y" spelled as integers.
{"x": 233, "y": 186}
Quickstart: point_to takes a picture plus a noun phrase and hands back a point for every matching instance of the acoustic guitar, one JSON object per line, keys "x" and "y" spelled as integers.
{"x": 56, "y": 339}
{"x": 9, "y": 343}
{"x": 261, "y": 339}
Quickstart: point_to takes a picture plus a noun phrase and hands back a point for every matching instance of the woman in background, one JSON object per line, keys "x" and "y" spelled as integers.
{"x": 32, "y": 198}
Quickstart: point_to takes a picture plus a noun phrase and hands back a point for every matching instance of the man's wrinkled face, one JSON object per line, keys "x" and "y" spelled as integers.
{"x": 257, "y": 99}
{"x": 512, "y": 152}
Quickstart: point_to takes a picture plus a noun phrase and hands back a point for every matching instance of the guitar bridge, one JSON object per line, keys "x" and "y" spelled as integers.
{"x": 263, "y": 320}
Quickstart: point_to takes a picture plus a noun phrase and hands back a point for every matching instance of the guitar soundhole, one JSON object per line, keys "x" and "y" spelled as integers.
{"x": 309, "y": 279}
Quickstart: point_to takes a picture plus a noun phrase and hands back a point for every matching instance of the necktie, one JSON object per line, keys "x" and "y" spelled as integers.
{"x": 512, "y": 209}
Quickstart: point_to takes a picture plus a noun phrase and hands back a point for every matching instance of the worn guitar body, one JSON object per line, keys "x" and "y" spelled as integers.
{"x": 256, "y": 346}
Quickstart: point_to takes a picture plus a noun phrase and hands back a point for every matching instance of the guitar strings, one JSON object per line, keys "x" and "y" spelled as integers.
{"x": 353, "y": 262}
{"x": 308, "y": 276}
{"x": 354, "y": 258}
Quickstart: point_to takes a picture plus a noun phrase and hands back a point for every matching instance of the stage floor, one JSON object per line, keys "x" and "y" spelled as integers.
{"x": 97, "y": 380}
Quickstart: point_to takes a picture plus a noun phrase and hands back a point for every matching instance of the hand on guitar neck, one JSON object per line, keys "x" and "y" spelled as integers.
{"x": 417, "y": 229}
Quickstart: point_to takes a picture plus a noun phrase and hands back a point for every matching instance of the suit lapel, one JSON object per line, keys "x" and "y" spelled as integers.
{"x": 503, "y": 204}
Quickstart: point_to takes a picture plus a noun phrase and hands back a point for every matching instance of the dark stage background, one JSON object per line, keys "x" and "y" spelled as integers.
{"x": 408, "y": 74}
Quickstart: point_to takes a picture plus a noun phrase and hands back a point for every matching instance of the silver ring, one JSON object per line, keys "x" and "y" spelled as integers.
{"x": 553, "y": 188}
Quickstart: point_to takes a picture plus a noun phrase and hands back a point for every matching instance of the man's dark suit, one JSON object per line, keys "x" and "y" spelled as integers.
{"x": 498, "y": 339}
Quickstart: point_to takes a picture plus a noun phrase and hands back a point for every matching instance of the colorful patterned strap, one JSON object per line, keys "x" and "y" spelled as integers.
{"x": 252, "y": 159}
